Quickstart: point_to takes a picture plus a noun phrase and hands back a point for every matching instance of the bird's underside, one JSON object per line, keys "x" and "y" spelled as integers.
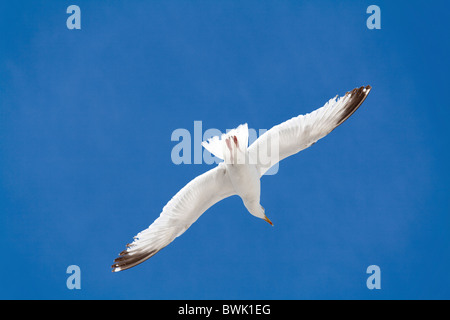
{"x": 219, "y": 183}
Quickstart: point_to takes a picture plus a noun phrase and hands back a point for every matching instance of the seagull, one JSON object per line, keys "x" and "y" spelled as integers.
{"x": 239, "y": 173}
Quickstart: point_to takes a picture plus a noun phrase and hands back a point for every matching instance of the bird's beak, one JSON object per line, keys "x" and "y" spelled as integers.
{"x": 268, "y": 220}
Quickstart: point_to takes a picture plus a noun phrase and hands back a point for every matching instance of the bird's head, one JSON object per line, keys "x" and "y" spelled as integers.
{"x": 258, "y": 211}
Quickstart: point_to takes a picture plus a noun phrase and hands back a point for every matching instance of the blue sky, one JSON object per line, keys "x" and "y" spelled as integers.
{"x": 86, "y": 118}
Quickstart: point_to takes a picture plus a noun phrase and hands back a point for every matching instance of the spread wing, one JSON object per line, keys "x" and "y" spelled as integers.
{"x": 300, "y": 132}
{"x": 177, "y": 216}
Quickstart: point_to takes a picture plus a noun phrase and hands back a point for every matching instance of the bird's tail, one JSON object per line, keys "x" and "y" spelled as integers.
{"x": 232, "y": 140}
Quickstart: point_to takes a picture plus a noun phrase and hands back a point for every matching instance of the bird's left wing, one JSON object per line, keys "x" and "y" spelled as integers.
{"x": 177, "y": 216}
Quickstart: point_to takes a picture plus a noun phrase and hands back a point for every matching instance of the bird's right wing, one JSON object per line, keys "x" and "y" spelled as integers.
{"x": 303, "y": 131}
{"x": 177, "y": 216}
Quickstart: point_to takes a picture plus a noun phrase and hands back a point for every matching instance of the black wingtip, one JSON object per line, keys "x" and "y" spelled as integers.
{"x": 355, "y": 98}
{"x": 127, "y": 260}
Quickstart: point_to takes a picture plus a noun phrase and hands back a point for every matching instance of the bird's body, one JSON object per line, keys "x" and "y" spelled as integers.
{"x": 245, "y": 181}
{"x": 239, "y": 174}
{"x": 243, "y": 173}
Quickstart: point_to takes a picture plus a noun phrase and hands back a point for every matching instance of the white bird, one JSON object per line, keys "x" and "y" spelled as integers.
{"x": 239, "y": 174}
